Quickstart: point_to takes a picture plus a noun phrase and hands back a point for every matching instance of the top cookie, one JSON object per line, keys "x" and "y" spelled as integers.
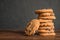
{"x": 44, "y": 11}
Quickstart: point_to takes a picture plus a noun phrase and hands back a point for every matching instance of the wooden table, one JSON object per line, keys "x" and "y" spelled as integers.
{"x": 20, "y": 35}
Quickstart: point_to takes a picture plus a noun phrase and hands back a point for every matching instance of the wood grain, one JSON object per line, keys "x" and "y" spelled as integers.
{"x": 20, "y": 35}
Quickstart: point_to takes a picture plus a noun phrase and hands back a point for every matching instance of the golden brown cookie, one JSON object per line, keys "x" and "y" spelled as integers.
{"x": 32, "y": 27}
{"x": 46, "y": 14}
{"x": 47, "y": 24}
{"x": 43, "y": 21}
{"x": 49, "y": 17}
{"x": 44, "y": 31}
{"x": 43, "y": 11}
{"x": 47, "y": 34}
{"x": 45, "y": 28}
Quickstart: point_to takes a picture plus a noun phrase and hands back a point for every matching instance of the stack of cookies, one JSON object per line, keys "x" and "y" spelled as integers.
{"x": 43, "y": 24}
{"x": 46, "y": 17}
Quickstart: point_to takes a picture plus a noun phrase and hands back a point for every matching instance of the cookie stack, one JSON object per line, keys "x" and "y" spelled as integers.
{"x": 46, "y": 17}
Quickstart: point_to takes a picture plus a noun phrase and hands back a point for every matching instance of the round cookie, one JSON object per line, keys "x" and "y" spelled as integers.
{"x": 44, "y": 31}
{"x": 49, "y": 17}
{"x": 47, "y": 34}
{"x": 43, "y": 11}
{"x": 32, "y": 27}
{"x": 42, "y": 20}
{"x": 45, "y": 28}
{"x": 46, "y": 14}
{"x": 47, "y": 24}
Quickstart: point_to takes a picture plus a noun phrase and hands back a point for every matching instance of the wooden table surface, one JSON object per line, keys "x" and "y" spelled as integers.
{"x": 20, "y": 35}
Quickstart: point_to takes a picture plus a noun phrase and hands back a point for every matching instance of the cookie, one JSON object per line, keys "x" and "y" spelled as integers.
{"x": 46, "y": 14}
{"x": 45, "y": 28}
{"x": 43, "y": 11}
{"x": 49, "y": 17}
{"x": 47, "y": 34}
{"x": 44, "y": 31}
{"x": 32, "y": 27}
{"x": 43, "y": 21}
{"x": 47, "y": 24}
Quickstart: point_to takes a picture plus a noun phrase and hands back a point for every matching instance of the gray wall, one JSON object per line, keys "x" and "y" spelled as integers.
{"x": 14, "y": 14}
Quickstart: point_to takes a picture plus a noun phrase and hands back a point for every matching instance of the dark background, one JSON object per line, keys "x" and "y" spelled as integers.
{"x": 14, "y": 14}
